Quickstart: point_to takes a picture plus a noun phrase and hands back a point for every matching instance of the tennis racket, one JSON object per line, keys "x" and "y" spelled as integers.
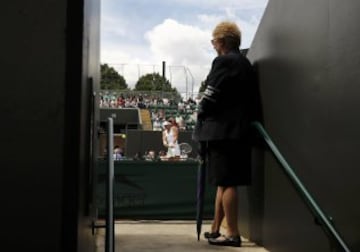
{"x": 185, "y": 148}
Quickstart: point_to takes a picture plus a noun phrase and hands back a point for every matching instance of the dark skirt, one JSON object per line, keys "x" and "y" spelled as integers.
{"x": 228, "y": 163}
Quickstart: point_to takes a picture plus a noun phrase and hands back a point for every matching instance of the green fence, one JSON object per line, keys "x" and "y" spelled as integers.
{"x": 153, "y": 190}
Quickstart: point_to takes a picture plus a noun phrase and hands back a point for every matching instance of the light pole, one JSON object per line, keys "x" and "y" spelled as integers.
{"x": 186, "y": 81}
{"x": 192, "y": 83}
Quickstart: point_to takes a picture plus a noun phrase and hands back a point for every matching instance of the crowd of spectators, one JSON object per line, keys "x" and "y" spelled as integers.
{"x": 161, "y": 107}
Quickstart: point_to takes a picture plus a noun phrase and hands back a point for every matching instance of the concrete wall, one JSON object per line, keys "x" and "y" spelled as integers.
{"x": 45, "y": 124}
{"x": 308, "y": 61}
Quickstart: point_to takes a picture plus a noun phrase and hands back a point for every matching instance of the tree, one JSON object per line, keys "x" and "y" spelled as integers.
{"x": 156, "y": 82}
{"x": 153, "y": 82}
{"x": 202, "y": 87}
{"x": 111, "y": 79}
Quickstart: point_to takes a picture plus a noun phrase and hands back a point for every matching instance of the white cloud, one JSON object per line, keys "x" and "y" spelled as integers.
{"x": 183, "y": 44}
{"x": 186, "y": 50}
{"x": 179, "y": 44}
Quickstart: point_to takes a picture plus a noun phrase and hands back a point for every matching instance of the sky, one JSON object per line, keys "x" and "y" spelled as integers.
{"x": 138, "y": 35}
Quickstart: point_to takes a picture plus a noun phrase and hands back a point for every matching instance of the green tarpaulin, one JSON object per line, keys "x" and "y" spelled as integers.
{"x": 159, "y": 190}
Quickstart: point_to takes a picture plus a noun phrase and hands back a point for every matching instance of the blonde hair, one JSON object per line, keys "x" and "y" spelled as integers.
{"x": 228, "y": 31}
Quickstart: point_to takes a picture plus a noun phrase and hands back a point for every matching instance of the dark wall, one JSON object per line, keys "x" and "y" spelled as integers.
{"x": 82, "y": 123}
{"x": 120, "y": 116}
{"x": 308, "y": 62}
{"x": 43, "y": 97}
{"x": 32, "y": 136}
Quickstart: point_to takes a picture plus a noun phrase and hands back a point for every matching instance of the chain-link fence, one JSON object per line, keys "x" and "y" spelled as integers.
{"x": 186, "y": 79}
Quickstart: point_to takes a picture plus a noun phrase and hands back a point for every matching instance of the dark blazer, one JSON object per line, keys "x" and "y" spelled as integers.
{"x": 225, "y": 110}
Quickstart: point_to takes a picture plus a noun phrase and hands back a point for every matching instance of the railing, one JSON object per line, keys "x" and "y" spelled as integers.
{"x": 324, "y": 221}
{"x": 110, "y": 228}
{"x": 109, "y": 223}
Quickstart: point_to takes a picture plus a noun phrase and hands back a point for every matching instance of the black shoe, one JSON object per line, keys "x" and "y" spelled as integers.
{"x": 209, "y": 235}
{"x": 234, "y": 241}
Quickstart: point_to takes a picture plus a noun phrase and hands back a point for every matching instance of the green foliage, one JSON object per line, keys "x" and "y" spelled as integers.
{"x": 156, "y": 82}
{"x": 111, "y": 79}
{"x": 202, "y": 87}
{"x": 153, "y": 82}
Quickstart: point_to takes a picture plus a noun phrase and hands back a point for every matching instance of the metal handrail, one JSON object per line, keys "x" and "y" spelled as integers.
{"x": 110, "y": 234}
{"x": 322, "y": 219}
{"x": 109, "y": 201}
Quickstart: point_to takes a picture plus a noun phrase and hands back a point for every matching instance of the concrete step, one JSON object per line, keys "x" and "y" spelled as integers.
{"x": 146, "y": 119}
{"x": 161, "y": 236}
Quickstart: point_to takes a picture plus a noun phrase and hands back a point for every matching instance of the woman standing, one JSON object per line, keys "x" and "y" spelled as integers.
{"x": 170, "y": 136}
{"x": 222, "y": 129}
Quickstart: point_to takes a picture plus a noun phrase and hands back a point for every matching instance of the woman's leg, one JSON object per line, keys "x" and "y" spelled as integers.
{"x": 219, "y": 210}
{"x": 230, "y": 208}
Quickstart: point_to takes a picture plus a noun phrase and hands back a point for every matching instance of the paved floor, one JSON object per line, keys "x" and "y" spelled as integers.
{"x": 161, "y": 236}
